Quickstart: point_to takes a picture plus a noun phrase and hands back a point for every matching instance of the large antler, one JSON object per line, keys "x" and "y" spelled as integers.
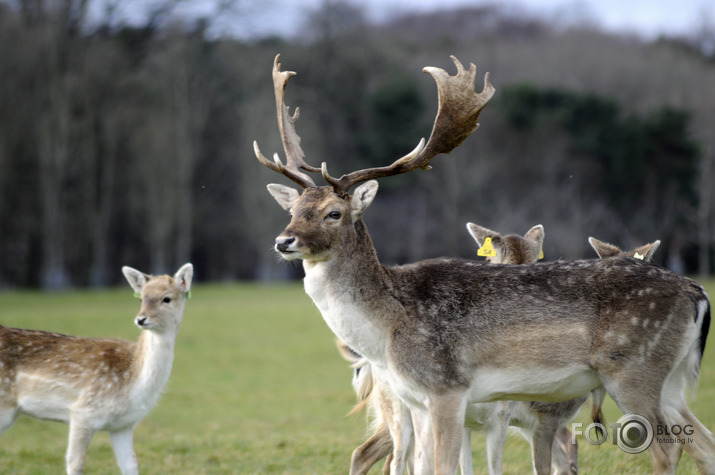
{"x": 291, "y": 141}
{"x": 457, "y": 114}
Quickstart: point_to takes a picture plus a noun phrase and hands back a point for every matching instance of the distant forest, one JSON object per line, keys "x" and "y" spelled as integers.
{"x": 132, "y": 145}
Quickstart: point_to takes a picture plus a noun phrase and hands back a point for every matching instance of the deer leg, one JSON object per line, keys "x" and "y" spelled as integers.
{"x": 634, "y": 400}
{"x": 542, "y": 442}
{"x": 447, "y": 416}
{"x": 386, "y": 466}
{"x": 400, "y": 424}
{"x": 123, "y": 446}
{"x": 466, "y": 464}
{"x": 377, "y": 447}
{"x": 424, "y": 443}
{"x": 496, "y": 428}
{"x": 699, "y": 444}
{"x": 496, "y": 438}
{"x": 79, "y": 438}
{"x": 564, "y": 453}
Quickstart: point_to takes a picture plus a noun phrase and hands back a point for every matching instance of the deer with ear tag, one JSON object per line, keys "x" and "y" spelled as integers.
{"x": 509, "y": 249}
{"x": 604, "y": 249}
{"x": 96, "y": 384}
{"x": 445, "y": 333}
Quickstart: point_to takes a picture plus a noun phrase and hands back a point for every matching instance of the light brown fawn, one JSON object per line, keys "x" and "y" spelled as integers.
{"x": 444, "y": 333}
{"x": 96, "y": 384}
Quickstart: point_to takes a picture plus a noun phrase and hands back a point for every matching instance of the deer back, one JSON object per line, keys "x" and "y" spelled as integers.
{"x": 464, "y": 314}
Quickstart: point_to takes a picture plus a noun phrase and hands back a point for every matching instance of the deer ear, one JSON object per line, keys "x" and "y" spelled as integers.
{"x": 361, "y": 199}
{"x": 137, "y": 280}
{"x": 480, "y": 233}
{"x": 284, "y": 195}
{"x": 183, "y": 278}
{"x": 603, "y": 249}
{"x": 347, "y": 352}
{"x": 647, "y": 250}
{"x": 536, "y": 234}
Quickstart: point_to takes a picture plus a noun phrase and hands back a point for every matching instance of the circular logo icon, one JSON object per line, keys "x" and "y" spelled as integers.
{"x": 635, "y": 434}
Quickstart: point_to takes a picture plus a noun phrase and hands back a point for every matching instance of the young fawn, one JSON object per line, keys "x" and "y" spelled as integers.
{"x": 96, "y": 384}
{"x": 446, "y": 333}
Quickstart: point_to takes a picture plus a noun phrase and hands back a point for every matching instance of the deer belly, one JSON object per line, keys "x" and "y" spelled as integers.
{"x": 532, "y": 384}
{"x": 44, "y": 397}
{"x": 482, "y": 415}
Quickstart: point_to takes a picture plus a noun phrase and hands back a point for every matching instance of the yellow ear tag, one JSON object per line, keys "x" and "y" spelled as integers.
{"x": 541, "y": 253}
{"x": 638, "y": 256}
{"x": 487, "y": 250}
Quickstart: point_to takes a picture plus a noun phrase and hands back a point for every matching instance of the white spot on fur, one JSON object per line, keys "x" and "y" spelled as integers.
{"x": 634, "y": 321}
{"x": 645, "y": 323}
{"x": 622, "y": 340}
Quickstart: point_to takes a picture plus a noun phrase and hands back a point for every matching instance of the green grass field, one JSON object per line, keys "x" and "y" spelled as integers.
{"x": 257, "y": 387}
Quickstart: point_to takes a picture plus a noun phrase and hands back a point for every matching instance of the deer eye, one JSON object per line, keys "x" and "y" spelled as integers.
{"x": 334, "y": 215}
{"x": 166, "y": 299}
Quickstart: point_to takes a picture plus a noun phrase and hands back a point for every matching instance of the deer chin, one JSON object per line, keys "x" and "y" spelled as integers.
{"x": 144, "y": 323}
{"x": 290, "y": 255}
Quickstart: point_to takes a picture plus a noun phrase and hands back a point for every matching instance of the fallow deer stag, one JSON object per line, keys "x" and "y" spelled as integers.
{"x": 542, "y": 424}
{"x": 96, "y": 384}
{"x": 447, "y": 332}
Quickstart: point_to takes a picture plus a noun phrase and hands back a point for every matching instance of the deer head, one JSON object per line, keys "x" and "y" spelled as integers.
{"x": 644, "y": 252}
{"x": 510, "y": 249}
{"x": 328, "y": 207}
{"x": 162, "y": 297}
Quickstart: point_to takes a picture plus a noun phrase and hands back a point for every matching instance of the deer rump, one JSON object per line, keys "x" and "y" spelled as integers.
{"x": 546, "y": 331}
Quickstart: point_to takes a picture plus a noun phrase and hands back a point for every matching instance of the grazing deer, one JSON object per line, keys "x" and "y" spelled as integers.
{"x": 644, "y": 252}
{"x": 444, "y": 333}
{"x": 540, "y": 423}
{"x": 96, "y": 384}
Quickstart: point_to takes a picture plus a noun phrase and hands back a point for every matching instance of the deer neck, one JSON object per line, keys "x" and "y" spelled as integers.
{"x": 153, "y": 358}
{"x": 349, "y": 289}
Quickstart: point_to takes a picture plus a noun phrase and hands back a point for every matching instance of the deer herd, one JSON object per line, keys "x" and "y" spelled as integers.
{"x": 439, "y": 348}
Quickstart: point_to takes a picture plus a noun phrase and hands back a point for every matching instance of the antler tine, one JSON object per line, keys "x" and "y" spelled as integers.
{"x": 457, "y": 115}
{"x": 295, "y": 158}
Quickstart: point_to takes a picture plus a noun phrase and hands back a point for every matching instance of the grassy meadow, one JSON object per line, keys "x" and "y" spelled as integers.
{"x": 257, "y": 387}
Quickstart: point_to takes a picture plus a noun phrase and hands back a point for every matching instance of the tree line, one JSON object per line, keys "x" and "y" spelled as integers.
{"x": 132, "y": 145}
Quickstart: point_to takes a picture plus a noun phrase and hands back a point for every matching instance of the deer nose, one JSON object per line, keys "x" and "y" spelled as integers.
{"x": 282, "y": 244}
{"x": 141, "y": 320}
